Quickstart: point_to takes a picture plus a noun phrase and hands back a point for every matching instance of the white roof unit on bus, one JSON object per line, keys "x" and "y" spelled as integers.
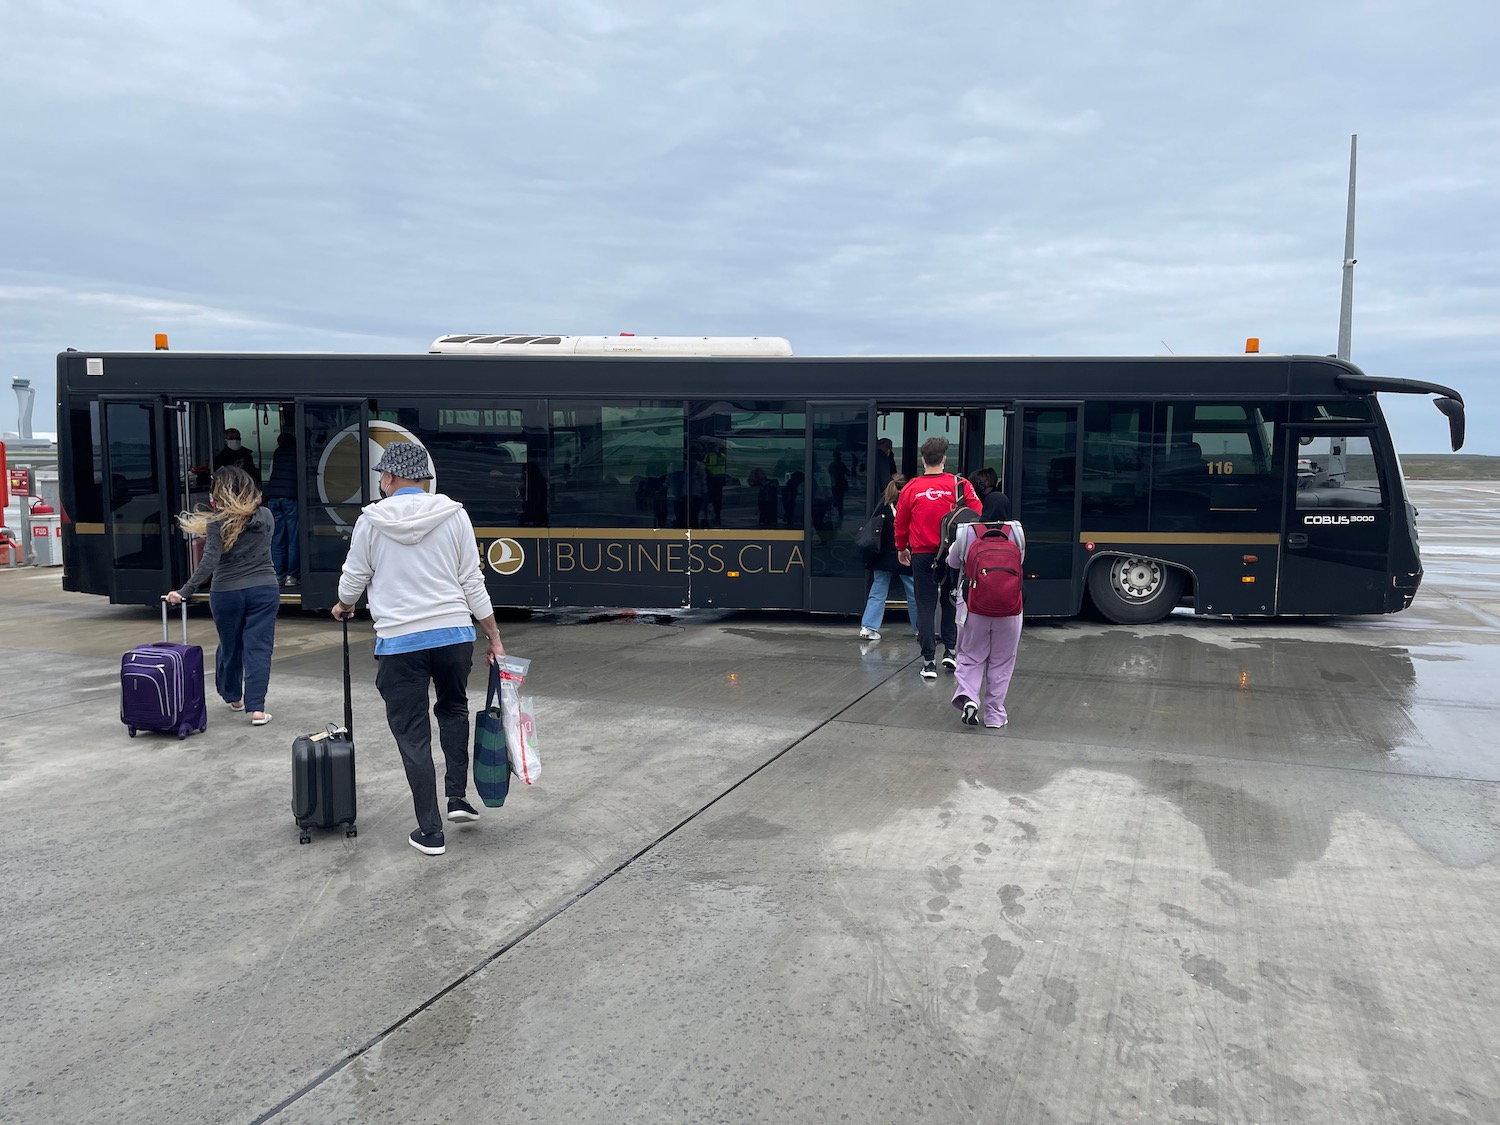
{"x": 520, "y": 344}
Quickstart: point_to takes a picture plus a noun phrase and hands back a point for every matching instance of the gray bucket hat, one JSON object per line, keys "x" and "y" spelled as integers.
{"x": 406, "y": 460}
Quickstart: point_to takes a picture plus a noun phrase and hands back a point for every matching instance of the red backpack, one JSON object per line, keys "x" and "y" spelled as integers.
{"x": 992, "y": 574}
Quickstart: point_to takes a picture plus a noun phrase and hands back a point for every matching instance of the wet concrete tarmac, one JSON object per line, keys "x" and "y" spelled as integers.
{"x": 1212, "y": 871}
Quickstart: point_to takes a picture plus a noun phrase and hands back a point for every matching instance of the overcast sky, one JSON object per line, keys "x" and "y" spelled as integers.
{"x": 1041, "y": 176}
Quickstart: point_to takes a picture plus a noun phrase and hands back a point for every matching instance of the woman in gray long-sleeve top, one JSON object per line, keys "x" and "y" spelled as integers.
{"x": 245, "y": 594}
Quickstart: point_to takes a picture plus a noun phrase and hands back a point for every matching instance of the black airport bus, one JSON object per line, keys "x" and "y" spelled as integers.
{"x": 640, "y": 476}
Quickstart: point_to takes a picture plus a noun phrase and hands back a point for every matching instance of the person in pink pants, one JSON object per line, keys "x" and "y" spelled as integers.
{"x": 986, "y": 645}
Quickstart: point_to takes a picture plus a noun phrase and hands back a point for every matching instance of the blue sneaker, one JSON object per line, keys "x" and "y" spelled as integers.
{"x": 428, "y": 843}
{"x": 459, "y": 809}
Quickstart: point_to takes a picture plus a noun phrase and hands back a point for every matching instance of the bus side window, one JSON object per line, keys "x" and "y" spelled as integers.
{"x": 1337, "y": 472}
{"x": 1115, "y": 464}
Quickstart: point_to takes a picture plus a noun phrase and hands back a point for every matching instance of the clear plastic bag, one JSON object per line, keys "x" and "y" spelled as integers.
{"x": 517, "y": 713}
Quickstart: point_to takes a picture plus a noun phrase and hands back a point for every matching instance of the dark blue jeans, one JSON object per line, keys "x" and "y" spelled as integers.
{"x": 246, "y": 621}
{"x": 405, "y": 680}
{"x": 284, "y": 549}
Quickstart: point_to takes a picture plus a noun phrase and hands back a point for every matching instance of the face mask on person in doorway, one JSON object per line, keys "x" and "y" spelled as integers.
{"x": 232, "y": 444}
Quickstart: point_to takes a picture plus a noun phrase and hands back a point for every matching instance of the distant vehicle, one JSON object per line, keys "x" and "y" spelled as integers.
{"x": 1242, "y": 484}
{"x": 521, "y": 344}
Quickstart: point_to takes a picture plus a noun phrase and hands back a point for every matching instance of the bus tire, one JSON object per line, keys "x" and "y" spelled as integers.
{"x": 1133, "y": 589}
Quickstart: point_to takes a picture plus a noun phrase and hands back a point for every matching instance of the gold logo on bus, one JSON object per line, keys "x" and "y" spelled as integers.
{"x": 340, "y": 487}
{"x": 505, "y": 556}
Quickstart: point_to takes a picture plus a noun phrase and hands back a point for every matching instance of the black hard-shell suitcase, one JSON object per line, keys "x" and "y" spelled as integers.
{"x": 323, "y": 771}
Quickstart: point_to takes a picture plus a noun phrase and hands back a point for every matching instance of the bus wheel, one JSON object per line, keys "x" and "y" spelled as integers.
{"x": 1133, "y": 590}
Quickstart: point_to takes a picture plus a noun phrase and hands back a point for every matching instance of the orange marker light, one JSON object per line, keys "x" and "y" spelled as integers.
{"x": 1247, "y": 578}
{"x": 731, "y": 574}
{"x": 1252, "y": 345}
{"x": 161, "y": 341}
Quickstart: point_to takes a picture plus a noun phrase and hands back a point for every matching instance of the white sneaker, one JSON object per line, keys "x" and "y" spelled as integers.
{"x": 869, "y": 635}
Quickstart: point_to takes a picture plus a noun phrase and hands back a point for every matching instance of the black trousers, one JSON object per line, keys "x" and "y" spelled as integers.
{"x": 403, "y": 679}
{"x": 936, "y": 613}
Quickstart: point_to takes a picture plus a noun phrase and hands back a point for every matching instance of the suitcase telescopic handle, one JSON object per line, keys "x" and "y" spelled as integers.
{"x": 348, "y": 693}
{"x": 164, "y": 638}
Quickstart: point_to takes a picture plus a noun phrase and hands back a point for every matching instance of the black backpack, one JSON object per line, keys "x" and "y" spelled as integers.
{"x": 957, "y": 515}
{"x": 867, "y": 538}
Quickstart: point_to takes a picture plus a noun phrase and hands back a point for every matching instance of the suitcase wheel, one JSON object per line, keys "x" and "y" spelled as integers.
{"x": 351, "y": 831}
{"x": 131, "y": 730}
{"x": 304, "y": 839}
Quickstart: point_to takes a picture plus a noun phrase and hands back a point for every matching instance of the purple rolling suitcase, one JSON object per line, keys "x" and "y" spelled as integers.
{"x": 161, "y": 685}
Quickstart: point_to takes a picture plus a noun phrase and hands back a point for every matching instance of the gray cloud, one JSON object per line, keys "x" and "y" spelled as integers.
{"x": 861, "y": 177}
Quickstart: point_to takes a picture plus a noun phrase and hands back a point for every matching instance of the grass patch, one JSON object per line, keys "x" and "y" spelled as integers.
{"x": 1450, "y": 466}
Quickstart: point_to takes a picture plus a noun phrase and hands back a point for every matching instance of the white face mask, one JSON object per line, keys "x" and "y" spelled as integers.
{"x": 232, "y": 444}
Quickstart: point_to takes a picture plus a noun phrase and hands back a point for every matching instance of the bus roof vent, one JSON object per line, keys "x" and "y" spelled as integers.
{"x": 503, "y": 343}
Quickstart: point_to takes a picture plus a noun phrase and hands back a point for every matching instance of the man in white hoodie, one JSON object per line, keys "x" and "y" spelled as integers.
{"x": 415, "y": 552}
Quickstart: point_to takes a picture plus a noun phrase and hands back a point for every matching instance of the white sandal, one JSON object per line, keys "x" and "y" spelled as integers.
{"x": 265, "y": 717}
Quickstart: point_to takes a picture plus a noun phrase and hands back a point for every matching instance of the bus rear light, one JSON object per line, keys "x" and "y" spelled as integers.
{"x": 1250, "y": 558}
{"x": 1088, "y": 546}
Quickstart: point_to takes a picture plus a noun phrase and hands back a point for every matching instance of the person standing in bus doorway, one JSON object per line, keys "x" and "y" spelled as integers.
{"x": 886, "y": 567}
{"x": 885, "y": 460}
{"x": 415, "y": 553}
{"x": 994, "y": 505}
{"x": 235, "y": 454}
{"x": 989, "y": 619}
{"x": 281, "y": 498}
{"x": 244, "y": 599}
{"x": 924, "y": 502}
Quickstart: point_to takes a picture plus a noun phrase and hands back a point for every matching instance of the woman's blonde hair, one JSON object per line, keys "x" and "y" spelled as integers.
{"x": 235, "y": 498}
{"x": 893, "y": 489}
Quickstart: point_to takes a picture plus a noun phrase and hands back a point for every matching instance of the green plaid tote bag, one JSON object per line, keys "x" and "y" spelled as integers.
{"x": 491, "y": 765}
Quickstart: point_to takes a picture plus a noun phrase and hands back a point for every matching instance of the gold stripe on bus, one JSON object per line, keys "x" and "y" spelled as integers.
{"x": 696, "y": 535}
{"x": 1163, "y": 537}
{"x": 88, "y": 529}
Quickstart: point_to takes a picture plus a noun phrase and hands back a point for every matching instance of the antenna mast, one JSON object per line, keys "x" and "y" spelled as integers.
{"x": 1346, "y": 301}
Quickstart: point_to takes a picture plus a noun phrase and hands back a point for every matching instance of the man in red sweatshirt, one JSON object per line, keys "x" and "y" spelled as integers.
{"x": 924, "y": 502}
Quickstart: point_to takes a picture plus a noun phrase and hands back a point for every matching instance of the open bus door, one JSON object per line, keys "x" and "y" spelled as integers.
{"x": 1045, "y": 497}
{"x": 142, "y": 485}
{"x": 334, "y": 459}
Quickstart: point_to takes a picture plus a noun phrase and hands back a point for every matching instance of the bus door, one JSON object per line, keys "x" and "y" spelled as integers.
{"x": 334, "y": 482}
{"x": 907, "y": 429}
{"x": 1335, "y": 555}
{"x": 835, "y": 501}
{"x": 1045, "y": 494}
{"x": 141, "y": 481}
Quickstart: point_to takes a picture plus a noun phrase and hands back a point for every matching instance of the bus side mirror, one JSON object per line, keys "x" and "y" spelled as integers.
{"x": 1455, "y": 414}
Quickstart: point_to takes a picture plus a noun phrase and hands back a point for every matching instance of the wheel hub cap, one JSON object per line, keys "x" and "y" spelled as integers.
{"x": 1137, "y": 579}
